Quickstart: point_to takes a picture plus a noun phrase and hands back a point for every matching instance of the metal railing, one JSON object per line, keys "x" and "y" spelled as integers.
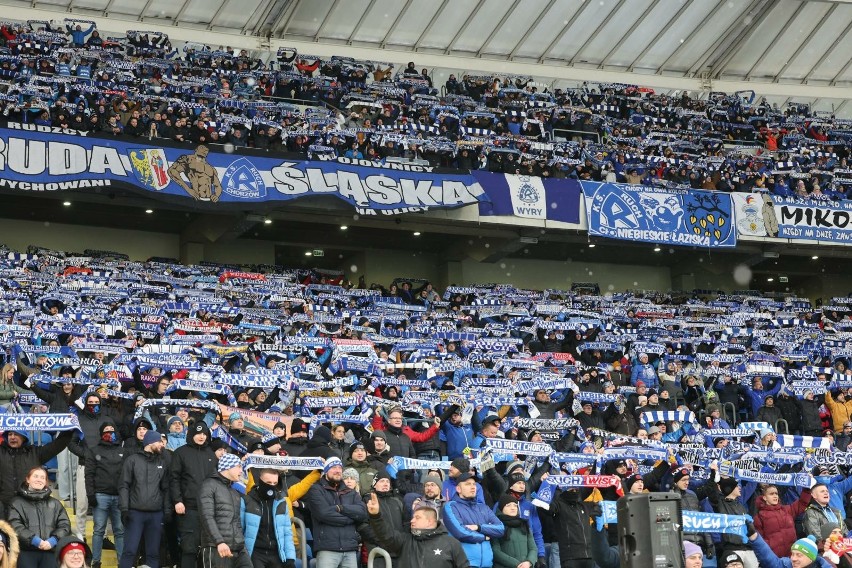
{"x": 778, "y": 423}
{"x": 731, "y": 418}
{"x": 376, "y": 552}
{"x": 303, "y": 540}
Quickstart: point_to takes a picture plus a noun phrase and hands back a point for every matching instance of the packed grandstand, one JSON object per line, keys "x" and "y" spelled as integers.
{"x": 65, "y": 75}
{"x": 291, "y": 416}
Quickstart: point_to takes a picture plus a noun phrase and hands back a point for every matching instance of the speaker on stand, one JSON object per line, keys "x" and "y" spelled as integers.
{"x": 650, "y": 531}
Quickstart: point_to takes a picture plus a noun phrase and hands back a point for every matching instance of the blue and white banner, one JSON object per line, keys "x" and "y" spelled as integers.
{"x": 764, "y": 215}
{"x": 694, "y": 522}
{"x": 38, "y": 422}
{"x": 530, "y": 197}
{"x": 37, "y": 158}
{"x": 670, "y": 217}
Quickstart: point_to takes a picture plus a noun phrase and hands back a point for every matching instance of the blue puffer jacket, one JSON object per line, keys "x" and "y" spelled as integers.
{"x": 460, "y": 512}
{"x": 457, "y": 438}
{"x": 251, "y": 512}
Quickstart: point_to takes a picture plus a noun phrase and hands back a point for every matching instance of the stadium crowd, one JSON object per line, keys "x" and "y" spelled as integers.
{"x": 66, "y": 75}
{"x": 485, "y": 426}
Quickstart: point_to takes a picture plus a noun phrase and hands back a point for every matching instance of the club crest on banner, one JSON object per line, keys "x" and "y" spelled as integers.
{"x": 150, "y": 167}
{"x": 527, "y": 192}
{"x": 241, "y": 179}
{"x": 677, "y": 217}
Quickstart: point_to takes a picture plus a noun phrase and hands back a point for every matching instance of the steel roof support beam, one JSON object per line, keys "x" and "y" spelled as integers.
{"x": 701, "y": 25}
{"x": 526, "y": 34}
{"x": 464, "y": 27}
{"x": 628, "y": 33}
{"x": 496, "y": 29}
{"x": 217, "y": 14}
{"x": 804, "y": 44}
{"x": 284, "y": 18}
{"x": 831, "y": 48}
{"x": 431, "y": 24}
{"x": 145, "y": 9}
{"x": 562, "y": 32}
{"x": 708, "y": 53}
{"x": 598, "y": 29}
{"x": 325, "y": 20}
{"x": 660, "y": 34}
{"x": 784, "y": 29}
{"x": 396, "y": 22}
{"x": 363, "y": 17}
{"x": 746, "y": 33}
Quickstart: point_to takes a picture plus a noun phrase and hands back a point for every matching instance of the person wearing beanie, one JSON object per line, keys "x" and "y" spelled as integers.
{"x": 176, "y": 436}
{"x": 459, "y": 467}
{"x": 297, "y": 442}
{"x": 133, "y": 442}
{"x": 336, "y": 512}
{"x": 351, "y": 479}
{"x": 776, "y": 522}
{"x": 424, "y": 543}
{"x": 634, "y": 484}
{"x": 392, "y": 512}
{"x": 693, "y": 555}
{"x": 472, "y": 522}
{"x": 819, "y": 511}
{"x": 72, "y": 552}
{"x": 143, "y": 499}
{"x": 10, "y": 548}
{"x": 222, "y": 539}
{"x": 103, "y": 465}
{"x": 317, "y": 445}
{"x": 724, "y": 496}
{"x": 39, "y": 520}
{"x": 803, "y": 553}
{"x": 515, "y": 485}
{"x": 191, "y": 464}
{"x": 690, "y": 499}
{"x": 267, "y": 523}
{"x": 237, "y": 429}
{"x": 731, "y": 560}
{"x": 456, "y": 432}
{"x": 380, "y": 453}
{"x": 517, "y": 545}
{"x": 358, "y": 461}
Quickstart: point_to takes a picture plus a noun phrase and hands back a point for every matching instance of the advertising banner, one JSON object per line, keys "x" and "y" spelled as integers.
{"x": 664, "y": 216}
{"x": 41, "y": 158}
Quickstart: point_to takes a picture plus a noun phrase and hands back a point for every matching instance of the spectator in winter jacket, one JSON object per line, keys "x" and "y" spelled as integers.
{"x": 427, "y": 544}
{"x": 472, "y": 522}
{"x": 191, "y": 465}
{"x": 725, "y": 499}
{"x": 645, "y": 372}
{"x": 516, "y": 486}
{"x": 820, "y": 512}
{"x": 573, "y": 530}
{"x": 776, "y": 522}
{"x": 516, "y": 548}
{"x": 267, "y": 524}
{"x": 335, "y": 511}
{"x": 392, "y": 511}
{"x": 769, "y": 413}
{"x": 840, "y": 405}
{"x": 803, "y": 554}
{"x": 222, "y": 540}
{"x": 457, "y": 435}
{"x": 103, "y": 465}
{"x": 18, "y": 457}
{"x": 811, "y": 419}
{"x": 10, "y": 547}
{"x": 143, "y": 497}
{"x": 39, "y": 520}
{"x": 691, "y": 501}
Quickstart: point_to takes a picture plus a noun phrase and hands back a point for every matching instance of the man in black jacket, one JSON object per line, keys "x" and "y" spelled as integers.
{"x": 223, "y": 544}
{"x": 336, "y": 511}
{"x": 191, "y": 465}
{"x": 18, "y": 457}
{"x": 143, "y": 496}
{"x": 428, "y": 543}
{"x": 103, "y": 464}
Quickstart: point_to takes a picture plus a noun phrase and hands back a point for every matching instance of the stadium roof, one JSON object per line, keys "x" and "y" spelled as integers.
{"x": 785, "y": 48}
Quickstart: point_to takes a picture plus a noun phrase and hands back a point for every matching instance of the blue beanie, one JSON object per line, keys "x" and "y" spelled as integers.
{"x": 151, "y": 437}
{"x": 227, "y": 461}
{"x": 330, "y": 463}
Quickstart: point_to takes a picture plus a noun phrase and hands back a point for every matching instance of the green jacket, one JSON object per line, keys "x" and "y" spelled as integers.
{"x": 8, "y": 390}
{"x": 515, "y": 546}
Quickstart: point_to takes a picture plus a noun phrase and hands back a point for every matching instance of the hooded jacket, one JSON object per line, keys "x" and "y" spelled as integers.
{"x": 191, "y": 465}
{"x": 219, "y": 507}
{"x": 15, "y": 463}
{"x": 460, "y": 512}
{"x": 432, "y": 548}
{"x": 254, "y": 507}
{"x": 573, "y": 531}
{"x": 103, "y": 466}
{"x": 391, "y": 510}
{"x": 776, "y": 524}
{"x": 10, "y": 558}
{"x": 37, "y": 516}
{"x": 318, "y": 445}
{"x": 131, "y": 443}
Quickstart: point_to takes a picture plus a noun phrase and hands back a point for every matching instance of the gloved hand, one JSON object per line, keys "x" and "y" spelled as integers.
{"x": 125, "y": 518}
{"x": 289, "y": 564}
{"x": 750, "y": 530}
{"x": 542, "y": 562}
{"x": 711, "y": 552}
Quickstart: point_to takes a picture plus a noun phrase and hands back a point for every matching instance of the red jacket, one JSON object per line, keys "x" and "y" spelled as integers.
{"x": 776, "y": 523}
